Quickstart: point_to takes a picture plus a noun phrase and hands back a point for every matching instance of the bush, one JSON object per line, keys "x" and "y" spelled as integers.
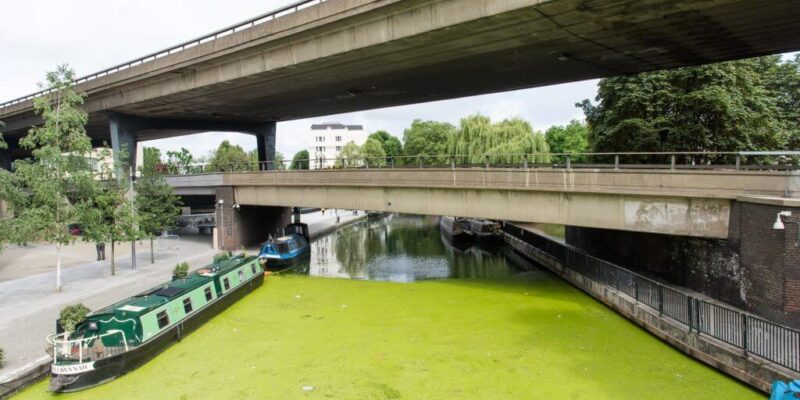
{"x": 224, "y": 256}
{"x": 73, "y": 315}
{"x": 2, "y": 357}
{"x": 181, "y": 271}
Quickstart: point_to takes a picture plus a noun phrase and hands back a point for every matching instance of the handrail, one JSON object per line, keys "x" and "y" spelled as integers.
{"x": 269, "y": 16}
{"x": 731, "y": 160}
{"x": 53, "y": 340}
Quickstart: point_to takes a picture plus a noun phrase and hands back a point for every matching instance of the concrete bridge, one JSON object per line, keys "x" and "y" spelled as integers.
{"x": 321, "y": 57}
{"x": 689, "y": 203}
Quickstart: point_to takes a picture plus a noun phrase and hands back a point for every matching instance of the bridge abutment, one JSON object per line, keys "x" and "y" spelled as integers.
{"x": 757, "y": 268}
{"x": 241, "y": 225}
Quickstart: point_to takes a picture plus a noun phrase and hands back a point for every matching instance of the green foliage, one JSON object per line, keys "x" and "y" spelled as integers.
{"x": 730, "y": 106}
{"x": 182, "y": 162}
{"x": 391, "y": 144}
{"x": 44, "y": 194}
{"x": 181, "y": 271}
{"x": 350, "y": 156}
{"x": 228, "y": 157}
{"x": 220, "y": 257}
{"x": 572, "y": 138}
{"x": 73, "y": 315}
{"x": 373, "y": 153}
{"x": 2, "y": 356}
{"x": 505, "y": 142}
{"x": 156, "y": 205}
{"x": 278, "y": 161}
{"x": 428, "y": 139}
{"x": 300, "y": 160}
{"x": 151, "y": 161}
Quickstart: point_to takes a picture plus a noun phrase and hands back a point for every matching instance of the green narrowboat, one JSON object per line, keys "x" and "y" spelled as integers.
{"x": 120, "y": 337}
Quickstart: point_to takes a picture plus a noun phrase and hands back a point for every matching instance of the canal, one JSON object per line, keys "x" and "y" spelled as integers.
{"x": 388, "y": 309}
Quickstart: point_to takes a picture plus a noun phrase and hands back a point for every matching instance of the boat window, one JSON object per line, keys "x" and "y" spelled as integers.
{"x": 253, "y": 269}
{"x": 209, "y": 296}
{"x": 187, "y": 305}
{"x": 163, "y": 319}
{"x": 241, "y": 276}
{"x": 226, "y": 283}
{"x": 282, "y": 248}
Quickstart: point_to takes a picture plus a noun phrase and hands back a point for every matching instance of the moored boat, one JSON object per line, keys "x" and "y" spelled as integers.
{"x": 455, "y": 228}
{"x": 287, "y": 249}
{"x": 485, "y": 231}
{"x": 118, "y": 338}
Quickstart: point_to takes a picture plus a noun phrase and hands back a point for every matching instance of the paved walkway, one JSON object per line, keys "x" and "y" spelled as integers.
{"x": 29, "y": 305}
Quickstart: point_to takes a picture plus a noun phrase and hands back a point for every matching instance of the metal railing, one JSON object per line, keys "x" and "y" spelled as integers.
{"x": 753, "y": 335}
{"x": 81, "y": 350}
{"x": 272, "y": 15}
{"x": 736, "y": 161}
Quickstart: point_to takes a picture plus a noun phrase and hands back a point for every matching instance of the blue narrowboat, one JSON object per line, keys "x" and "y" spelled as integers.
{"x": 287, "y": 249}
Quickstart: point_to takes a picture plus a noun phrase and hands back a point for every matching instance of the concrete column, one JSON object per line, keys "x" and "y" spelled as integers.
{"x": 123, "y": 139}
{"x": 265, "y": 140}
{"x": 5, "y": 159}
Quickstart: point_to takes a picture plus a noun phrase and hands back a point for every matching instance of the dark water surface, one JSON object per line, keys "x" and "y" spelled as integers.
{"x": 405, "y": 248}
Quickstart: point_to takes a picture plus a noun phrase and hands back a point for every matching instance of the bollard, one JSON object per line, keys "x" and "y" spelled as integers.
{"x": 616, "y": 161}
{"x": 672, "y": 162}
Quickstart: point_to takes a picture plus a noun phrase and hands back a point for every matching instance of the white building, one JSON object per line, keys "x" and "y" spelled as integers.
{"x": 328, "y": 139}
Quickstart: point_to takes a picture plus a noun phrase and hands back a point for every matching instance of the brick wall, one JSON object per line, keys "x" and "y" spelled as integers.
{"x": 757, "y": 268}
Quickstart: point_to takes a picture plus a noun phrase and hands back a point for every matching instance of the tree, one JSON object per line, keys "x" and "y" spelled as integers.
{"x": 300, "y": 160}
{"x": 391, "y": 144}
{"x": 428, "y": 139}
{"x": 572, "y": 138}
{"x": 229, "y": 157}
{"x": 151, "y": 160}
{"x": 157, "y": 207}
{"x": 181, "y": 162}
{"x": 717, "y": 107}
{"x": 108, "y": 216}
{"x": 373, "y": 153}
{"x": 278, "y": 161}
{"x": 44, "y": 193}
{"x": 350, "y": 156}
{"x": 505, "y": 142}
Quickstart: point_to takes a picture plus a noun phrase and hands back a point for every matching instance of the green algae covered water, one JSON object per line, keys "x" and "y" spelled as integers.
{"x": 496, "y": 328}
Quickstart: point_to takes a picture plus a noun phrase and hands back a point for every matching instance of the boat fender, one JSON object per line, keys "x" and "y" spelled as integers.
{"x": 180, "y": 328}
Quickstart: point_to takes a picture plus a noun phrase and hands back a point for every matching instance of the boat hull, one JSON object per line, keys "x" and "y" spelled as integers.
{"x": 454, "y": 230}
{"x": 110, "y": 368}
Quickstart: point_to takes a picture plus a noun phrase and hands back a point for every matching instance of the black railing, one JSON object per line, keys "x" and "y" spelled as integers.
{"x": 753, "y": 335}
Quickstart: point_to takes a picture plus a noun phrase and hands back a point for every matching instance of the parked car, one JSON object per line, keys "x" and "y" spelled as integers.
{"x": 75, "y": 229}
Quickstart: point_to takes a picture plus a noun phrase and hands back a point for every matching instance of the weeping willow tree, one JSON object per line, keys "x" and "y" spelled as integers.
{"x": 505, "y": 142}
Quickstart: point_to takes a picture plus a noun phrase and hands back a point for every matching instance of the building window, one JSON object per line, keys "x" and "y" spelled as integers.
{"x": 338, "y": 138}
{"x": 187, "y": 305}
{"x": 226, "y": 284}
{"x": 253, "y": 269}
{"x": 163, "y": 319}
{"x": 241, "y": 276}
{"x": 338, "y": 148}
{"x": 320, "y": 149}
{"x": 209, "y": 296}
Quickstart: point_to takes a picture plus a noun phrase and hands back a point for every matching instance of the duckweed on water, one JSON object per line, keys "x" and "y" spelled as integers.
{"x": 529, "y": 337}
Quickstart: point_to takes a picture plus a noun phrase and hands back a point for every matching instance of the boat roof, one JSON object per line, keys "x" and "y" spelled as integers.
{"x": 162, "y": 294}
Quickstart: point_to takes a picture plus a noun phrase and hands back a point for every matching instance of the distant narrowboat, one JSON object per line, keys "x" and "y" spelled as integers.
{"x": 123, "y": 336}
{"x": 285, "y": 250}
{"x": 485, "y": 231}
{"x": 455, "y": 228}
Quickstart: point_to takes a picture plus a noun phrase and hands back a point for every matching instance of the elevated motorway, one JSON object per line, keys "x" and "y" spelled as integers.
{"x": 696, "y": 203}
{"x": 323, "y": 57}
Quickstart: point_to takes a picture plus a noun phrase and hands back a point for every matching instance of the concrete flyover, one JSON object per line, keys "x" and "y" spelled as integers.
{"x": 335, "y": 56}
{"x": 683, "y": 202}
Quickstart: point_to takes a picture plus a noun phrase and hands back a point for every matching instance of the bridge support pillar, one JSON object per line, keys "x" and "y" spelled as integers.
{"x": 244, "y": 226}
{"x": 5, "y": 159}
{"x": 265, "y": 140}
{"x": 123, "y": 140}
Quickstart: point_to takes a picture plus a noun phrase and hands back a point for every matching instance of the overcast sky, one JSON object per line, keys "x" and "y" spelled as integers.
{"x": 37, "y": 35}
